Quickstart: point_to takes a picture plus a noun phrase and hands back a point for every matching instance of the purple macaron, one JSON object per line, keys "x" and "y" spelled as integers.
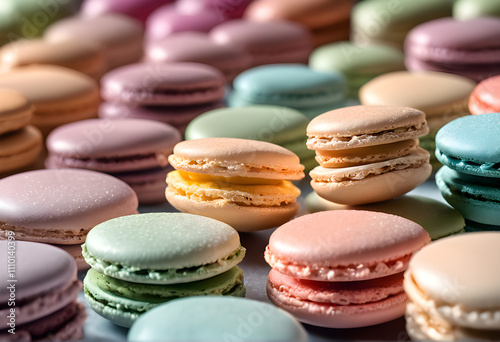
{"x": 138, "y": 9}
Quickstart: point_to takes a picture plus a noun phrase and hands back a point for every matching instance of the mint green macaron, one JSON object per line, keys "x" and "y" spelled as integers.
{"x": 275, "y": 124}
{"x": 217, "y": 318}
{"x": 162, "y": 248}
{"x": 469, "y": 9}
{"x": 123, "y": 302}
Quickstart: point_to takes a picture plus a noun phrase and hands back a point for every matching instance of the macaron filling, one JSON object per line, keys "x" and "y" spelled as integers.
{"x": 186, "y": 274}
{"x": 53, "y": 235}
{"x": 362, "y": 271}
{"x": 471, "y": 165}
{"x": 244, "y": 191}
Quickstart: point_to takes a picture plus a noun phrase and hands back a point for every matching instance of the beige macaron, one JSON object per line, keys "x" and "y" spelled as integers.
{"x": 245, "y": 183}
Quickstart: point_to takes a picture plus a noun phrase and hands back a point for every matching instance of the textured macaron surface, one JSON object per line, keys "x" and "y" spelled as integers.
{"x": 485, "y": 98}
{"x": 469, "y": 298}
{"x": 344, "y": 245}
{"x": 165, "y": 84}
{"x": 471, "y": 144}
{"x": 360, "y": 126}
{"x": 63, "y": 200}
{"x": 171, "y": 248}
{"x": 216, "y": 318}
{"x": 229, "y": 157}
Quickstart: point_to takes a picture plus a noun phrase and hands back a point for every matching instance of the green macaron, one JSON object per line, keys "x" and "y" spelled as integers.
{"x": 123, "y": 302}
{"x": 275, "y": 124}
{"x": 162, "y": 248}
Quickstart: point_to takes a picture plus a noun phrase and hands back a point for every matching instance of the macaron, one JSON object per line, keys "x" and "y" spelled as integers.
{"x": 440, "y": 220}
{"x": 467, "y": 9}
{"x": 327, "y": 20}
{"x": 84, "y": 56}
{"x": 485, "y": 98}
{"x": 380, "y": 21}
{"x": 441, "y": 96}
{"x": 275, "y": 124}
{"x": 40, "y": 289}
{"x": 71, "y": 96}
{"x": 358, "y": 64}
{"x": 197, "y": 47}
{"x": 211, "y": 318}
{"x": 468, "y": 48}
{"x": 171, "y": 84}
{"x": 289, "y": 85}
{"x": 446, "y": 303}
{"x": 245, "y": 183}
{"x": 120, "y": 36}
{"x": 15, "y": 111}
{"x": 469, "y": 179}
{"x": 61, "y": 206}
{"x": 132, "y": 150}
{"x": 368, "y": 153}
{"x": 175, "y": 255}
{"x": 20, "y": 148}
{"x": 139, "y": 10}
{"x": 266, "y": 42}
{"x": 342, "y": 268}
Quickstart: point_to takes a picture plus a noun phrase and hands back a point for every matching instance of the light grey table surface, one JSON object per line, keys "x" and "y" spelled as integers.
{"x": 256, "y": 269}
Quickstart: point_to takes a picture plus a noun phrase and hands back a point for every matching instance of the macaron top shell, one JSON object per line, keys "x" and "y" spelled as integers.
{"x": 343, "y": 238}
{"x": 475, "y": 35}
{"x": 135, "y": 83}
{"x": 58, "y": 271}
{"x": 471, "y": 144}
{"x": 434, "y": 93}
{"x": 448, "y": 275}
{"x": 66, "y": 199}
{"x": 33, "y": 81}
{"x": 358, "y": 126}
{"x": 217, "y": 318}
{"x": 485, "y": 98}
{"x": 161, "y": 241}
{"x": 96, "y": 138}
{"x": 229, "y": 157}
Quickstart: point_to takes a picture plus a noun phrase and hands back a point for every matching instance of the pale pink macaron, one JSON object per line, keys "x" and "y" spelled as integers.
{"x": 343, "y": 268}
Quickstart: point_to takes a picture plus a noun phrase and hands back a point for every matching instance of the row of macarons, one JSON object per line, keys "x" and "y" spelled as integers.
{"x": 353, "y": 269}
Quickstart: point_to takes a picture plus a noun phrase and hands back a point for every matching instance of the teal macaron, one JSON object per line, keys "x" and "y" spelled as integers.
{"x": 275, "y": 124}
{"x": 162, "y": 248}
{"x": 214, "y": 318}
{"x": 358, "y": 63}
{"x": 437, "y": 218}
{"x": 123, "y": 302}
{"x": 290, "y": 85}
{"x": 471, "y": 145}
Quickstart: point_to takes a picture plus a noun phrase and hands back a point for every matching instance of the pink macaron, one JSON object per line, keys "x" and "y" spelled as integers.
{"x": 133, "y": 150}
{"x": 139, "y": 10}
{"x": 485, "y": 98}
{"x": 343, "y": 268}
{"x": 39, "y": 293}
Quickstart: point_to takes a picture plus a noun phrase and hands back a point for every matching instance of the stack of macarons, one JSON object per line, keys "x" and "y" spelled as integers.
{"x": 485, "y": 98}
{"x": 463, "y": 47}
{"x": 443, "y": 97}
{"x": 173, "y": 93}
{"x": 342, "y": 268}
{"x": 133, "y": 150}
{"x": 71, "y": 96}
{"x": 245, "y": 183}
{"x": 388, "y": 22}
{"x": 468, "y": 148}
{"x": 328, "y": 20}
{"x": 448, "y": 304}
{"x": 140, "y": 261}
{"x": 39, "y": 294}
{"x": 275, "y": 124}
{"x": 120, "y": 36}
{"x": 290, "y": 85}
{"x": 368, "y": 153}
{"x": 197, "y": 47}
{"x": 358, "y": 64}
{"x": 270, "y": 42}
{"x": 20, "y": 143}
{"x": 61, "y": 206}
